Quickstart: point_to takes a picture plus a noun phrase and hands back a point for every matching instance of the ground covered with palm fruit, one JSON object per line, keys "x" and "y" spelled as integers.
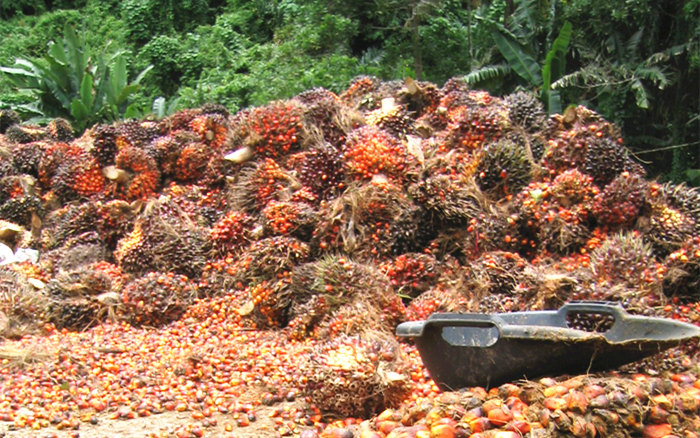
{"x": 216, "y": 274}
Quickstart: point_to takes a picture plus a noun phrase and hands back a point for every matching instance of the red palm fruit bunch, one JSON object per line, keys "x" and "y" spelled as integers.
{"x": 393, "y": 118}
{"x": 621, "y": 202}
{"x": 322, "y": 171}
{"x": 136, "y": 175}
{"x": 674, "y": 216}
{"x": 275, "y": 130}
{"x": 156, "y": 298}
{"x": 355, "y": 376}
{"x": 346, "y": 296}
{"x": 682, "y": 277}
{"x": 166, "y": 150}
{"x": 359, "y": 222}
{"x": 327, "y": 114}
{"x": 258, "y": 184}
{"x": 192, "y": 162}
{"x": 413, "y": 273}
{"x": 231, "y": 231}
{"x": 370, "y": 151}
{"x": 179, "y": 121}
{"x": 288, "y": 218}
{"x": 211, "y": 128}
{"x": 471, "y": 127}
{"x": 359, "y": 91}
{"x": 267, "y": 302}
{"x": 71, "y": 172}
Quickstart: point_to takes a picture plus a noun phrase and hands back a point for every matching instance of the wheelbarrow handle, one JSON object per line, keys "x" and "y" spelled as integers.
{"x": 607, "y": 307}
{"x": 415, "y": 328}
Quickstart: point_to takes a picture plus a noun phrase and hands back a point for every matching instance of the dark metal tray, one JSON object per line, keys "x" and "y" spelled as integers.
{"x": 461, "y": 350}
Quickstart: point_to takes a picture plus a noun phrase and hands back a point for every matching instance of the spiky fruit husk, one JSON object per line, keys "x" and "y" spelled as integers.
{"x": 413, "y": 273}
{"x": 74, "y": 313}
{"x": 359, "y": 221}
{"x": 624, "y": 258}
{"x": 156, "y": 298}
{"x": 8, "y": 118}
{"x": 680, "y": 196}
{"x": 23, "y": 305}
{"x": 60, "y": 130}
{"x": 449, "y": 200}
{"x": 393, "y": 119}
{"x": 492, "y": 284}
{"x": 411, "y": 231}
{"x": 355, "y": 377}
{"x": 214, "y": 108}
{"x": 26, "y": 157}
{"x": 682, "y": 276}
{"x": 231, "y": 231}
{"x": 322, "y": 171}
{"x": 504, "y": 168}
{"x": 358, "y": 93}
{"x": 135, "y": 133}
{"x": 326, "y": 114}
{"x": 164, "y": 238}
{"x": 259, "y": 183}
{"x": 24, "y": 133}
{"x": 669, "y": 228}
{"x": 620, "y": 203}
{"x": 20, "y": 210}
{"x": 370, "y": 151}
{"x": 526, "y": 111}
{"x": 296, "y": 219}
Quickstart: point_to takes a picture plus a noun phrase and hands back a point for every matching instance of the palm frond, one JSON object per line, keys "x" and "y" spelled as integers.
{"x": 486, "y": 73}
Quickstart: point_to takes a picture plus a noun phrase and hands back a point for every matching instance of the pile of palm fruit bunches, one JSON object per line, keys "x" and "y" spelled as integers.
{"x": 187, "y": 263}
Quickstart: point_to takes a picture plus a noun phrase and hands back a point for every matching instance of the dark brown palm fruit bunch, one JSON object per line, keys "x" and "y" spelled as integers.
{"x": 74, "y": 313}
{"x": 370, "y": 151}
{"x": 25, "y": 133}
{"x": 359, "y": 222}
{"x": 419, "y": 97}
{"x": 526, "y": 110}
{"x": 450, "y": 200}
{"x": 411, "y": 274}
{"x": 605, "y": 159}
{"x": 335, "y": 282}
{"x": 443, "y": 297}
{"x": 322, "y": 171}
{"x": 215, "y": 108}
{"x": 22, "y": 304}
{"x": 27, "y": 156}
{"x": 449, "y": 97}
{"x": 682, "y": 197}
{"x": 136, "y": 175}
{"x": 22, "y": 210}
{"x": 258, "y": 183}
{"x": 233, "y": 230}
{"x": 682, "y": 276}
{"x": 212, "y": 129}
{"x": 621, "y": 202}
{"x": 60, "y": 130}
{"x": 164, "y": 238}
{"x": 288, "y": 218}
{"x": 624, "y": 258}
{"x": 326, "y": 113}
{"x": 493, "y": 282}
{"x": 276, "y": 130}
{"x": 412, "y": 230}
{"x": 355, "y": 376}
{"x": 79, "y": 250}
{"x": 167, "y": 149}
{"x": 67, "y": 222}
{"x": 156, "y": 298}
{"x": 104, "y": 144}
{"x": 8, "y": 118}
{"x": 267, "y": 303}
{"x": 393, "y": 118}
{"x": 135, "y": 133}
{"x": 359, "y": 92}
{"x": 504, "y": 169}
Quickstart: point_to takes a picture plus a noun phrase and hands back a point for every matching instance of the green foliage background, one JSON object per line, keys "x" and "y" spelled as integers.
{"x": 636, "y": 62}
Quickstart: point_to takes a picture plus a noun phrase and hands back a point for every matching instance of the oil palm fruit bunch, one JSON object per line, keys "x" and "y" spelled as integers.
{"x": 504, "y": 168}
{"x": 526, "y": 110}
{"x": 8, "y": 118}
{"x": 156, "y": 298}
{"x": 621, "y": 202}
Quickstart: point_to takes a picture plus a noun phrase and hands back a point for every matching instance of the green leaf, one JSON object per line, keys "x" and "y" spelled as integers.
{"x": 640, "y": 94}
{"x": 119, "y": 73}
{"x": 519, "y": 60}
{"x": 554, "y": 67}
{"x": 693, "y": 177}
{"x": 132, "y": 112}
{"x": 126, "y": 92}
{"x": 143, "y": 73}
{"x": 158, "y": 107}
{"x": 86, "y": 91}
{"x": 486, "y": 73}
{"x": 79, "y": 111}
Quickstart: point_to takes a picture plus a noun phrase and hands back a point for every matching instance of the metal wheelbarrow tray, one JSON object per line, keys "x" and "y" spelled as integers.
{"x": 461, "y": 350}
